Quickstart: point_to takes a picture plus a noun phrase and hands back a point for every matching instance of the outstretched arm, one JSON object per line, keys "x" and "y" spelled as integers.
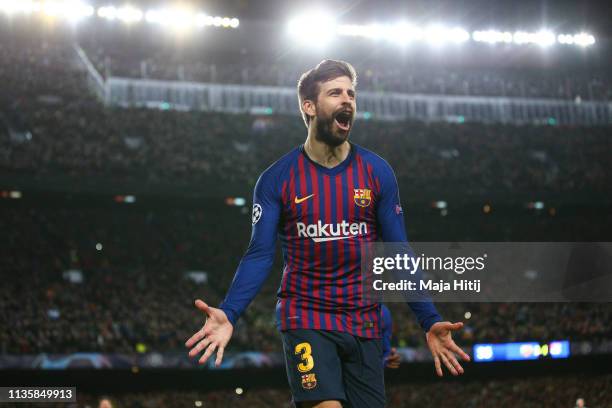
{"x": 252, "y": 271}
{"x": 438, "y": 333}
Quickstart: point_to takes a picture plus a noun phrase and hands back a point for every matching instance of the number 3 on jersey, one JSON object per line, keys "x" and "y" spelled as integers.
{"x": 306, "y": 354}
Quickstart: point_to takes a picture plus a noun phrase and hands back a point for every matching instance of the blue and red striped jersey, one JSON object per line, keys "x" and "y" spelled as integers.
{"x": 321, "y": 216}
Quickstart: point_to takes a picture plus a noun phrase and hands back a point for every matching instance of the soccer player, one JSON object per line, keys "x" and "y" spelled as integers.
{"x": 323, "y": 200}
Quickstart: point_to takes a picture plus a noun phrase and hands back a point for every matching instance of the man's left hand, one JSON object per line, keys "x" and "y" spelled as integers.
{"x": 444, "y": 349}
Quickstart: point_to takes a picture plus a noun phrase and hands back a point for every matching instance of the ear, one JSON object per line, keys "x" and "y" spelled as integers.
{"x": 309, "y": 107}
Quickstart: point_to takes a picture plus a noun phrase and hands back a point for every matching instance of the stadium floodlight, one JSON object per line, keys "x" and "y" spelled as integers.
{"x": 129, "y": 14}
{"x": 12, "y": 6}
{"x": 403, "y": 33}
{"x": 107, "y": 12}
{"x": 521, "y": 37}
{"x": 351, "y": 30}
{"x": 315, "y": 28}
{"x": 204, "y": 20}
{"x": 400, "y": 33}
{"x": 458, "y": 35}
{"x": 565, "y": 39}
{"x": 545, "y": 38}
{"x": 492, "y": 36}
{"x": 437, "y": 34}
{"x": 177, "y": 18}
{"x": 584, "y": 39}
{"x": 72, "y": 10}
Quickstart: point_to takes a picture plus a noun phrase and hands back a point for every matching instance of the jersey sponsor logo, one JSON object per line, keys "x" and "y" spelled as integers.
{"x": 320, "y": 232}
{"x": 257, "y": 213}
{"x": 309, "y": 381}
{"x": 363, "y": 196}
{"x": 301, "y": 200}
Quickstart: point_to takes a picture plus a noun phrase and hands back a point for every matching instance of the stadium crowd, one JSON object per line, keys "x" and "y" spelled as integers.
{"x": 51, "y": 125}
{"x": 542, "y": 392}
{"x": 171, "y": 64}
{"x": 135, "y": 292}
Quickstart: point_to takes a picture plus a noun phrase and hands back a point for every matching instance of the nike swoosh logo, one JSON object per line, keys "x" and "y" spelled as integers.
{"x": 300, "y": 200}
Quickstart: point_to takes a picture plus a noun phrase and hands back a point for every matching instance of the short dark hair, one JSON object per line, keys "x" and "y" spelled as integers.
{"x": 326, "y": 70}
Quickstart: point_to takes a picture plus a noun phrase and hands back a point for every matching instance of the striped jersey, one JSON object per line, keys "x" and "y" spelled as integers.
{"x": 321, "y": 216}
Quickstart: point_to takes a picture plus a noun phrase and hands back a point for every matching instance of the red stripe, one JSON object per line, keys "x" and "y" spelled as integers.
{"x": 304, "y": 246}
{"x": 318, "y": 265}
{"x": 291, "y": 246}
{"x": 339, "y": 205}
{"x": 328, "y": 248}
{"x": 354, "y": 269}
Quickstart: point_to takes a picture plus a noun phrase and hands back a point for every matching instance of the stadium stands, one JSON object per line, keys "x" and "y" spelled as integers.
{"x": 169, "y": 64}
{"x": 134, "y": 289}
{"x": 544, "y": 392}
{"x": 135, "y": 297}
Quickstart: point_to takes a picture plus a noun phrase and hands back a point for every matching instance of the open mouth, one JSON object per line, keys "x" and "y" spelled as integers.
{"x": 343, "y": 120}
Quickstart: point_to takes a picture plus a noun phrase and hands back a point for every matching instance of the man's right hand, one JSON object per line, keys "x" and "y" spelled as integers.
{"x": 214, "y": 335}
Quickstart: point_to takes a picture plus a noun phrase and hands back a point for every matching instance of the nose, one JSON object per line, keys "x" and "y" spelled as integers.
{"x": 347, "y": 99}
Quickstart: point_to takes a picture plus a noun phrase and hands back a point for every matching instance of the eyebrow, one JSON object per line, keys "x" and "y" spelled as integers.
{"x": 350, "y": 91}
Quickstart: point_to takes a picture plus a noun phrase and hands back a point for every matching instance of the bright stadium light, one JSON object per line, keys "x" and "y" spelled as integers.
{"x": 71, "y": 10}
{"x": 492, "y": 36}
{"x": 12, "y": 6}
{"x": 544, "y": 38}
{"x": 458, "y": 35}
{"x": 129, "y": 14}
{"x": 437, "y": 35}
{"x": 177, "y": 18}
{"x": 404, "y": 33}
{"x": 520, "y": 37}
{"x": 107, "y": 12}
{"x": 314, "y": 28}
{"x": 584, "y": 39}
{"x": 204, "y": 20}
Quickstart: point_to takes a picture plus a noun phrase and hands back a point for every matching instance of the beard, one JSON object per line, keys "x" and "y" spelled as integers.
{"x": 328, "y": 133}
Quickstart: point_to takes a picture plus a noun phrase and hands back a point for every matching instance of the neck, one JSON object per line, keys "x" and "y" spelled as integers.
{"x": 324, "y": 154}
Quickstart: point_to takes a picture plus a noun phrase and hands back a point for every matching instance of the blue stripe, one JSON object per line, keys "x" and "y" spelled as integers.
{"x": 356, "y": 210}
{"x": 309, "y": 242}
{"x": 322, "y": 247}
{"x": 299, "y": 245}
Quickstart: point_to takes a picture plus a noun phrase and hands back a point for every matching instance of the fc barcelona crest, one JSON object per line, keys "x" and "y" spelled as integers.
{"x": 309, "y": 381}
{"x": 363, "y": 197}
